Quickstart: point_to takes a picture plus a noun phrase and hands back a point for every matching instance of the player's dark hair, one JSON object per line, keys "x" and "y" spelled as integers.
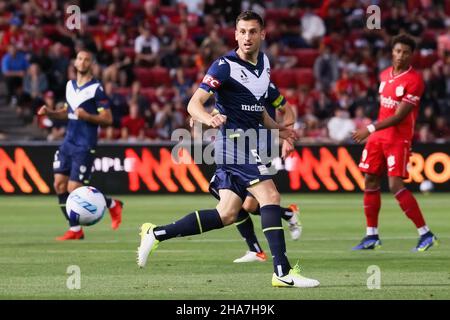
{"x": 90, "y": 52}
{"x": 404, "y": 39}
{"x": 250, "y": 15}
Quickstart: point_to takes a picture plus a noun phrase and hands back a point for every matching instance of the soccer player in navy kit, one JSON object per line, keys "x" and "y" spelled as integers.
{"x": 87, "y": 107}
{"x": 278, "y": 110}
{"x": 240, "y": 82}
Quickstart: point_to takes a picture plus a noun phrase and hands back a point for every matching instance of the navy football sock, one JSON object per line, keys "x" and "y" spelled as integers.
{"x": 62, "y": 198}
{"x": 194, "y": 223}
{"x": 108, "y": 201}
{"x": 271, "y": 224}
{"x": 286, "y": 213}
{"x": 245, "y": 227}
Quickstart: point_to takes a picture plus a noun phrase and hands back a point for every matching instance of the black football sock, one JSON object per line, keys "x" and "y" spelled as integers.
{"x": 109, "y": 202}
{"x": 245, "y": 227}
{"x": 194, "y": 223}
{"x": 271, "y": 224}
{"x": 286, "y": 213}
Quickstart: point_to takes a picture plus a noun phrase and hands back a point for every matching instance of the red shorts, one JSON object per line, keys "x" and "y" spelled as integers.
{"x": 379, "y": 156}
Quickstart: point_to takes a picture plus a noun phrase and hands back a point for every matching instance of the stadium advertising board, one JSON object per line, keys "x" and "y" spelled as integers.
{"x": 144, "y": 169}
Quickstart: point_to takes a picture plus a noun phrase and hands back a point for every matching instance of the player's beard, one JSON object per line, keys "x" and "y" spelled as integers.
{"x": 83, "y": 72}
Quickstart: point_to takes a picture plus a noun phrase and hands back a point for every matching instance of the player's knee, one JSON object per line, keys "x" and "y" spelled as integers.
{"x": 228, "y": 216}
{"x": 60, "y": 187}
{"x": 273, "y": 197}
{"x": 250, "y": 206}
{"x": 72, "y": 187}
{"x": 395, "y": 185}
{"x": 371, "y": 182}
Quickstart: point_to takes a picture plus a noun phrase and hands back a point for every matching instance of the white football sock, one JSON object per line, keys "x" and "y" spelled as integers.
{"x": 423, "y": 230}
{"x": 75, "y": 228}
{"x": 371, "y": 231}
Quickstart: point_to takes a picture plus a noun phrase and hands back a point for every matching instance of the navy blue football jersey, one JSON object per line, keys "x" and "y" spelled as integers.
{"x": 240, "y": 89}
{"x": 92, "y": 98}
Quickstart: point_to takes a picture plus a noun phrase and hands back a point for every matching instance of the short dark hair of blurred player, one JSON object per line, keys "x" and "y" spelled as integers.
{"x": 388, "y": 147}
{"x": 87, "y": 107}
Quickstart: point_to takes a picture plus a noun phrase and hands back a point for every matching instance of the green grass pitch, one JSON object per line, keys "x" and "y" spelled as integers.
{"x": 34, "y": 266}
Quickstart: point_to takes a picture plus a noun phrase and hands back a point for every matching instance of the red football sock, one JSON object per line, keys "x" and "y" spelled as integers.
{"x": 372, "y": 204}
{"x": 410, "y": 207}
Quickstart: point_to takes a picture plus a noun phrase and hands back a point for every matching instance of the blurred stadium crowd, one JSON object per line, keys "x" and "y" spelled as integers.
{"x": 151, "y": 55}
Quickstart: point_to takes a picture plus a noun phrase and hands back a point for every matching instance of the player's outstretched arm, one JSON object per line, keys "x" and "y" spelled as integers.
{"x": 59, "y": 114}
{"x": 402, "y": 111}
{"x": 287, "y": 117}
{"x": 103, "y": 118}
{"x": 287, "y": 134}
{"x": 196, "y": 108}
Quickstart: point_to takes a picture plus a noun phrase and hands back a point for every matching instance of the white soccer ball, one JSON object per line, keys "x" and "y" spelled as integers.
{"x": 426, "y": 186}
{"x": 85, "y": 206}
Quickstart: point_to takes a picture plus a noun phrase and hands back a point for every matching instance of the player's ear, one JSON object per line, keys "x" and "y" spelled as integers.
{"x": 263, "y": 34}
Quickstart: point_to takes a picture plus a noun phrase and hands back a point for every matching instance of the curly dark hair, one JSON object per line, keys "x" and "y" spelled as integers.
{"x": 404, "y": 39}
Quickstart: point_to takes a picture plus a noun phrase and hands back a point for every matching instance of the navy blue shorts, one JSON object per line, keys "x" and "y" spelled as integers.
{"x": 236, "y": 179}
{"x": 74, "y": 162}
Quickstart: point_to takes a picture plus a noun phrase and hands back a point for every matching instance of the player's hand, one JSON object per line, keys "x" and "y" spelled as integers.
{"x": 81, "y": 113}
{"x": 360, "y": 135}
{"x": 217, "y": 120}
{"x": 43, "y": 110}
{"x": 288, "y": 134}
{"x": 286, "y": 149}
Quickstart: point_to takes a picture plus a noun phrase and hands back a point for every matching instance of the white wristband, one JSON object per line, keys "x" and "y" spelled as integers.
{"x": 371, "y": 128}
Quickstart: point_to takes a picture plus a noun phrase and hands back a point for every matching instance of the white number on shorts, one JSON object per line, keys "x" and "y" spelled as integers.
{"x": 256, "y": 155}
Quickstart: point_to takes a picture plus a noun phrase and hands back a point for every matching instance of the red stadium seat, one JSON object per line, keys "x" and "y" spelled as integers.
{"x": 304, "y": 76}
{"x": 277, "y": 14}
{"x": 168, "y": 11}
{"x": 283, "y": 78}
{"x": 427, "y": 61}
{"x": 50, "y": 30}
{"x": 429, "y": 36}
{"x": 284, "y": 16}
{"x": 149, "y": 93}
{"x": 305, "y": 57}
{"x": 422, "y": 61}
{"x": 94, "y": 30}
{"x": 228, "y": 36}
{"x": 191, "y": 73}
{"x": 129, "y": 52}
{"x": 152, "y": 77}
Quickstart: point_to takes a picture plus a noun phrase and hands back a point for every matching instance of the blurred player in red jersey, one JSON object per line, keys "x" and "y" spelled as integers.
{"x": 389, "y": 144}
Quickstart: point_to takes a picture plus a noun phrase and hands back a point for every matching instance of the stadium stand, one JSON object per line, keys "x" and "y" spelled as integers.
{"x": 188, "y": 40}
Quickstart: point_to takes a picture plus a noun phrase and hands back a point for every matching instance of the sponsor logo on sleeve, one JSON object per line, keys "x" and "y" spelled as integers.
{"x": 211, "y": 81}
